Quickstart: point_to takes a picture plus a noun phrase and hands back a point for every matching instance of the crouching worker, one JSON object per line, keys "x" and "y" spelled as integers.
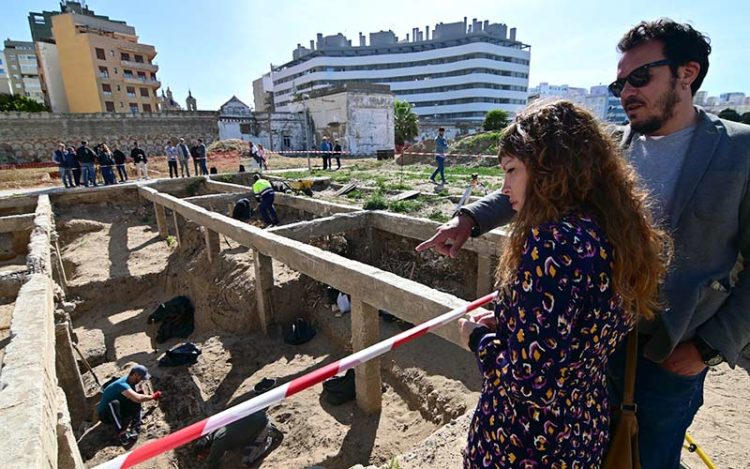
{"x": 121, "y": 404}
{"x": 264, "y": 194}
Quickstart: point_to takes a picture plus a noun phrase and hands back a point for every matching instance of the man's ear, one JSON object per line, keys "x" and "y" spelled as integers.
{"x": 688, "y": 73}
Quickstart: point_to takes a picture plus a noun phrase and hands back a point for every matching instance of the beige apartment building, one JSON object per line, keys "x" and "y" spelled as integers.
{"x": 102, "y": 65}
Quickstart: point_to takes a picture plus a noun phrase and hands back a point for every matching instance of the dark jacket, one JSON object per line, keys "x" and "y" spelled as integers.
{"x": 709, "y": 219}
{"x": 119, "y": 156}
{"x": 337, "y": 148}
{"x": 70, "y": 159}
{"x": 200, "y": 151}
{"x": 85, "y": 155}
{"x": 105, "y": 159}
{"x": 138, "y": 155}
{"x": 59, "y": 157}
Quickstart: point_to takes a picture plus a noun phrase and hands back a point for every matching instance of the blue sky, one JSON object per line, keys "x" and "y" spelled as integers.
{"x": 217, "y": 47}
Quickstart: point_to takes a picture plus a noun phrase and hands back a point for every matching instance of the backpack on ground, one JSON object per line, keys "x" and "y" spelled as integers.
{"x": 299, "y": 332}
{"x": 176, "y": 317}
{"x": 183, "y": 354}
{"x": 340, "y": 389}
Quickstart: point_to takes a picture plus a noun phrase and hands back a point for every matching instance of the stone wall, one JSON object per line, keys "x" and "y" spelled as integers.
{"x": 28, "y": 137}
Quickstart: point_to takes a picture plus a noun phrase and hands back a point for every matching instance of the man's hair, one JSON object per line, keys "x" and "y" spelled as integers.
{"x": 441, "y": 129}
{"x": 200, "y": 140}
{"x": 84, "y": 142}
{"x": 682, "y": 44}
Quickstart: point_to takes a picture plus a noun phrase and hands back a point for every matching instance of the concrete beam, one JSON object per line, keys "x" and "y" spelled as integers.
{"x": 39, "y": 258}
{"x": 406, "y": 299}
{"x": 221, "y": 187}
{"x": 13, "y": 223}
{"x": 318, "y": 207}
{"x": 161, "y": 220}
{"x": 366, "y": 332}
{"x": 306, "y": 230}
{"x": 488, "y": 245}
{"x": 264, "y": 289}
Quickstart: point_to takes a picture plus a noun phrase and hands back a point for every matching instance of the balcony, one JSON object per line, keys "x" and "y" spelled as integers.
{"x": 152, "y": 67}
{"x": 141, "y": 81}
{"x": 149, "y": 51}
{"x": 104, "y": 76}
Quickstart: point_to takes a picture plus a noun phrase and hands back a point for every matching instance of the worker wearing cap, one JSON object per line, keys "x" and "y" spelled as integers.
{"x": 264, "y": 194}
{"x": 121, "y": 404}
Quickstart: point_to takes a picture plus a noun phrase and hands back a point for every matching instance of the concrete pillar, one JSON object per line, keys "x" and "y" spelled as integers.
{"x": 161, "y": 220}
{"x": 263, "y": 289}
{"x": 177, "y": 220}
{"x": 365, "y": 332}
{"x": 212, "y": 243}
{"x": 485, "y": 277}
{"x": 68, "y": 374}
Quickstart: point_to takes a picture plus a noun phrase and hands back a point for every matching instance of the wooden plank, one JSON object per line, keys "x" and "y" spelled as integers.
{"x": 406, "y": 299}
{"x": 346, "y": 189}
{"x": 367, "y": 379}
{"x": 406, "y": 195}
{"x": 264, "y": 289}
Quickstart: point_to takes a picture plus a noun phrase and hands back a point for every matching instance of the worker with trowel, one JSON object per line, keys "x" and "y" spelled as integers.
{"x": 121, "y": 404}
{"x": 264, "y": 194}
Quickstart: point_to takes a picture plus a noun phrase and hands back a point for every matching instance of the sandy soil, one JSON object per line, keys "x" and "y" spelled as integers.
{"x": 6, "y": 315}
{"x": 429, "y": 385}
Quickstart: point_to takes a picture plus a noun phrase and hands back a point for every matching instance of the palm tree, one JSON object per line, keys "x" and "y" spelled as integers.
{"x": 405, "y": 122}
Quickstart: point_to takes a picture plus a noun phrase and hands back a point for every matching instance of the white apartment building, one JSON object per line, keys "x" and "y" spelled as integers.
{"x": 4, "y": 78}
{"x": 23, "y": 70}
{"x": 596, "y": 99}
{"x": 457, "y": 73}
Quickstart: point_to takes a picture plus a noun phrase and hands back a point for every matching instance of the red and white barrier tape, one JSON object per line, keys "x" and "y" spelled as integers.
{"x": 312, "y": 152}
{"x": 278, "y": 394}
{"x": 410, "y": 153}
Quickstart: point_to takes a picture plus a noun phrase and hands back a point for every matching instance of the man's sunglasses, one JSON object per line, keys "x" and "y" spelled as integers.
{"x": 638, "y": 78}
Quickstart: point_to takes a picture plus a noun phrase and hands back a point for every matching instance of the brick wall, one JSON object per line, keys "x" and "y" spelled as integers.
{"x": 27, "y": 137}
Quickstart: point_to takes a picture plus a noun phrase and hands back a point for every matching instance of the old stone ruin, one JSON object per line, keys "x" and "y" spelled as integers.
{"x": 81, "y": 271}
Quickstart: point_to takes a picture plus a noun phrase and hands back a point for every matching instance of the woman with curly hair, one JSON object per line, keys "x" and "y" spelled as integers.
{"x": 581, "y": 264}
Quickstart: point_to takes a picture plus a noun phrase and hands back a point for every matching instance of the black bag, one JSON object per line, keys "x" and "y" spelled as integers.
{"x": 242, "y": 210}
{"x": 332, "y": 295}
{"x": 176, "y": 316}
{"x": 183, "y": 354}
{"x": 299, "y": 332}
{"x": 340, "y": 389}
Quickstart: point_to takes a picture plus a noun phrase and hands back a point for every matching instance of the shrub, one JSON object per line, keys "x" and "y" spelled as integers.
{"x": 376, "y": 202}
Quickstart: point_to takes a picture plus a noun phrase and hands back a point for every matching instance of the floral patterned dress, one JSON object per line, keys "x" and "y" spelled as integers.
{"x": 544, "y": 398}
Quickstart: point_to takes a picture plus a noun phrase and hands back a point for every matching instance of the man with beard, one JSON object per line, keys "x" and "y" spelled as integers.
{"x": 695, "y": 166}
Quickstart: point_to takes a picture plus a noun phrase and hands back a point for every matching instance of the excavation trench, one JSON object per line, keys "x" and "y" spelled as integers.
{"x": 119, "y": 270}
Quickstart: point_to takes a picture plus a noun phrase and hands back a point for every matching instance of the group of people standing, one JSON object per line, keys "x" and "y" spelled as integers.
{"x": 330, "y": 151}
{"x": 640, "y": 233}
{"x": 179, "y": 152}
{"x": 80, "y": 166}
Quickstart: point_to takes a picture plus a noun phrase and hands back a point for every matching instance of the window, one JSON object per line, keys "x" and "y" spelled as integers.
{"x": 118, "y": 87}
{"x": 109, "y": 106}
{"x": 142, "y": 76}
{"x": 133, "y": 108}
{"x": 103, "y": 72}
{"x": 124, "y": 56}
{"x": 131, "y": 91}
{"x": 146, "y": 108}
{"x": 127, "y": 73}
{"x": 100, "y": 54}
{"x": 115, "y": 69}
{"x": 245, "y": 129}
{"x": 106, "y": 89}
{"x": 111, "y": 52}
{"x": 139, "y": 59}
{"x": 144, "y": 92}
{"x": 287, "y": 141}
{"x": 122, "y": 105}
{"x": 38, "y": 19}
{"x": 153, "y": 76}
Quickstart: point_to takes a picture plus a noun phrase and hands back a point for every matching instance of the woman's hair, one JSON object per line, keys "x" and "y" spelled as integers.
{"x": 575, "y": 166}
{"x": 105, "y": 148}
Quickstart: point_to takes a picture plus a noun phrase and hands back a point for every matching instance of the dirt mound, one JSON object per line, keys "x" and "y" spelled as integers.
{"x": 232, "y": 144}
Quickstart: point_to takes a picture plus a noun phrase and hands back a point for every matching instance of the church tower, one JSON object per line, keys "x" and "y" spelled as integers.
{"x": 190, "y": 101}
